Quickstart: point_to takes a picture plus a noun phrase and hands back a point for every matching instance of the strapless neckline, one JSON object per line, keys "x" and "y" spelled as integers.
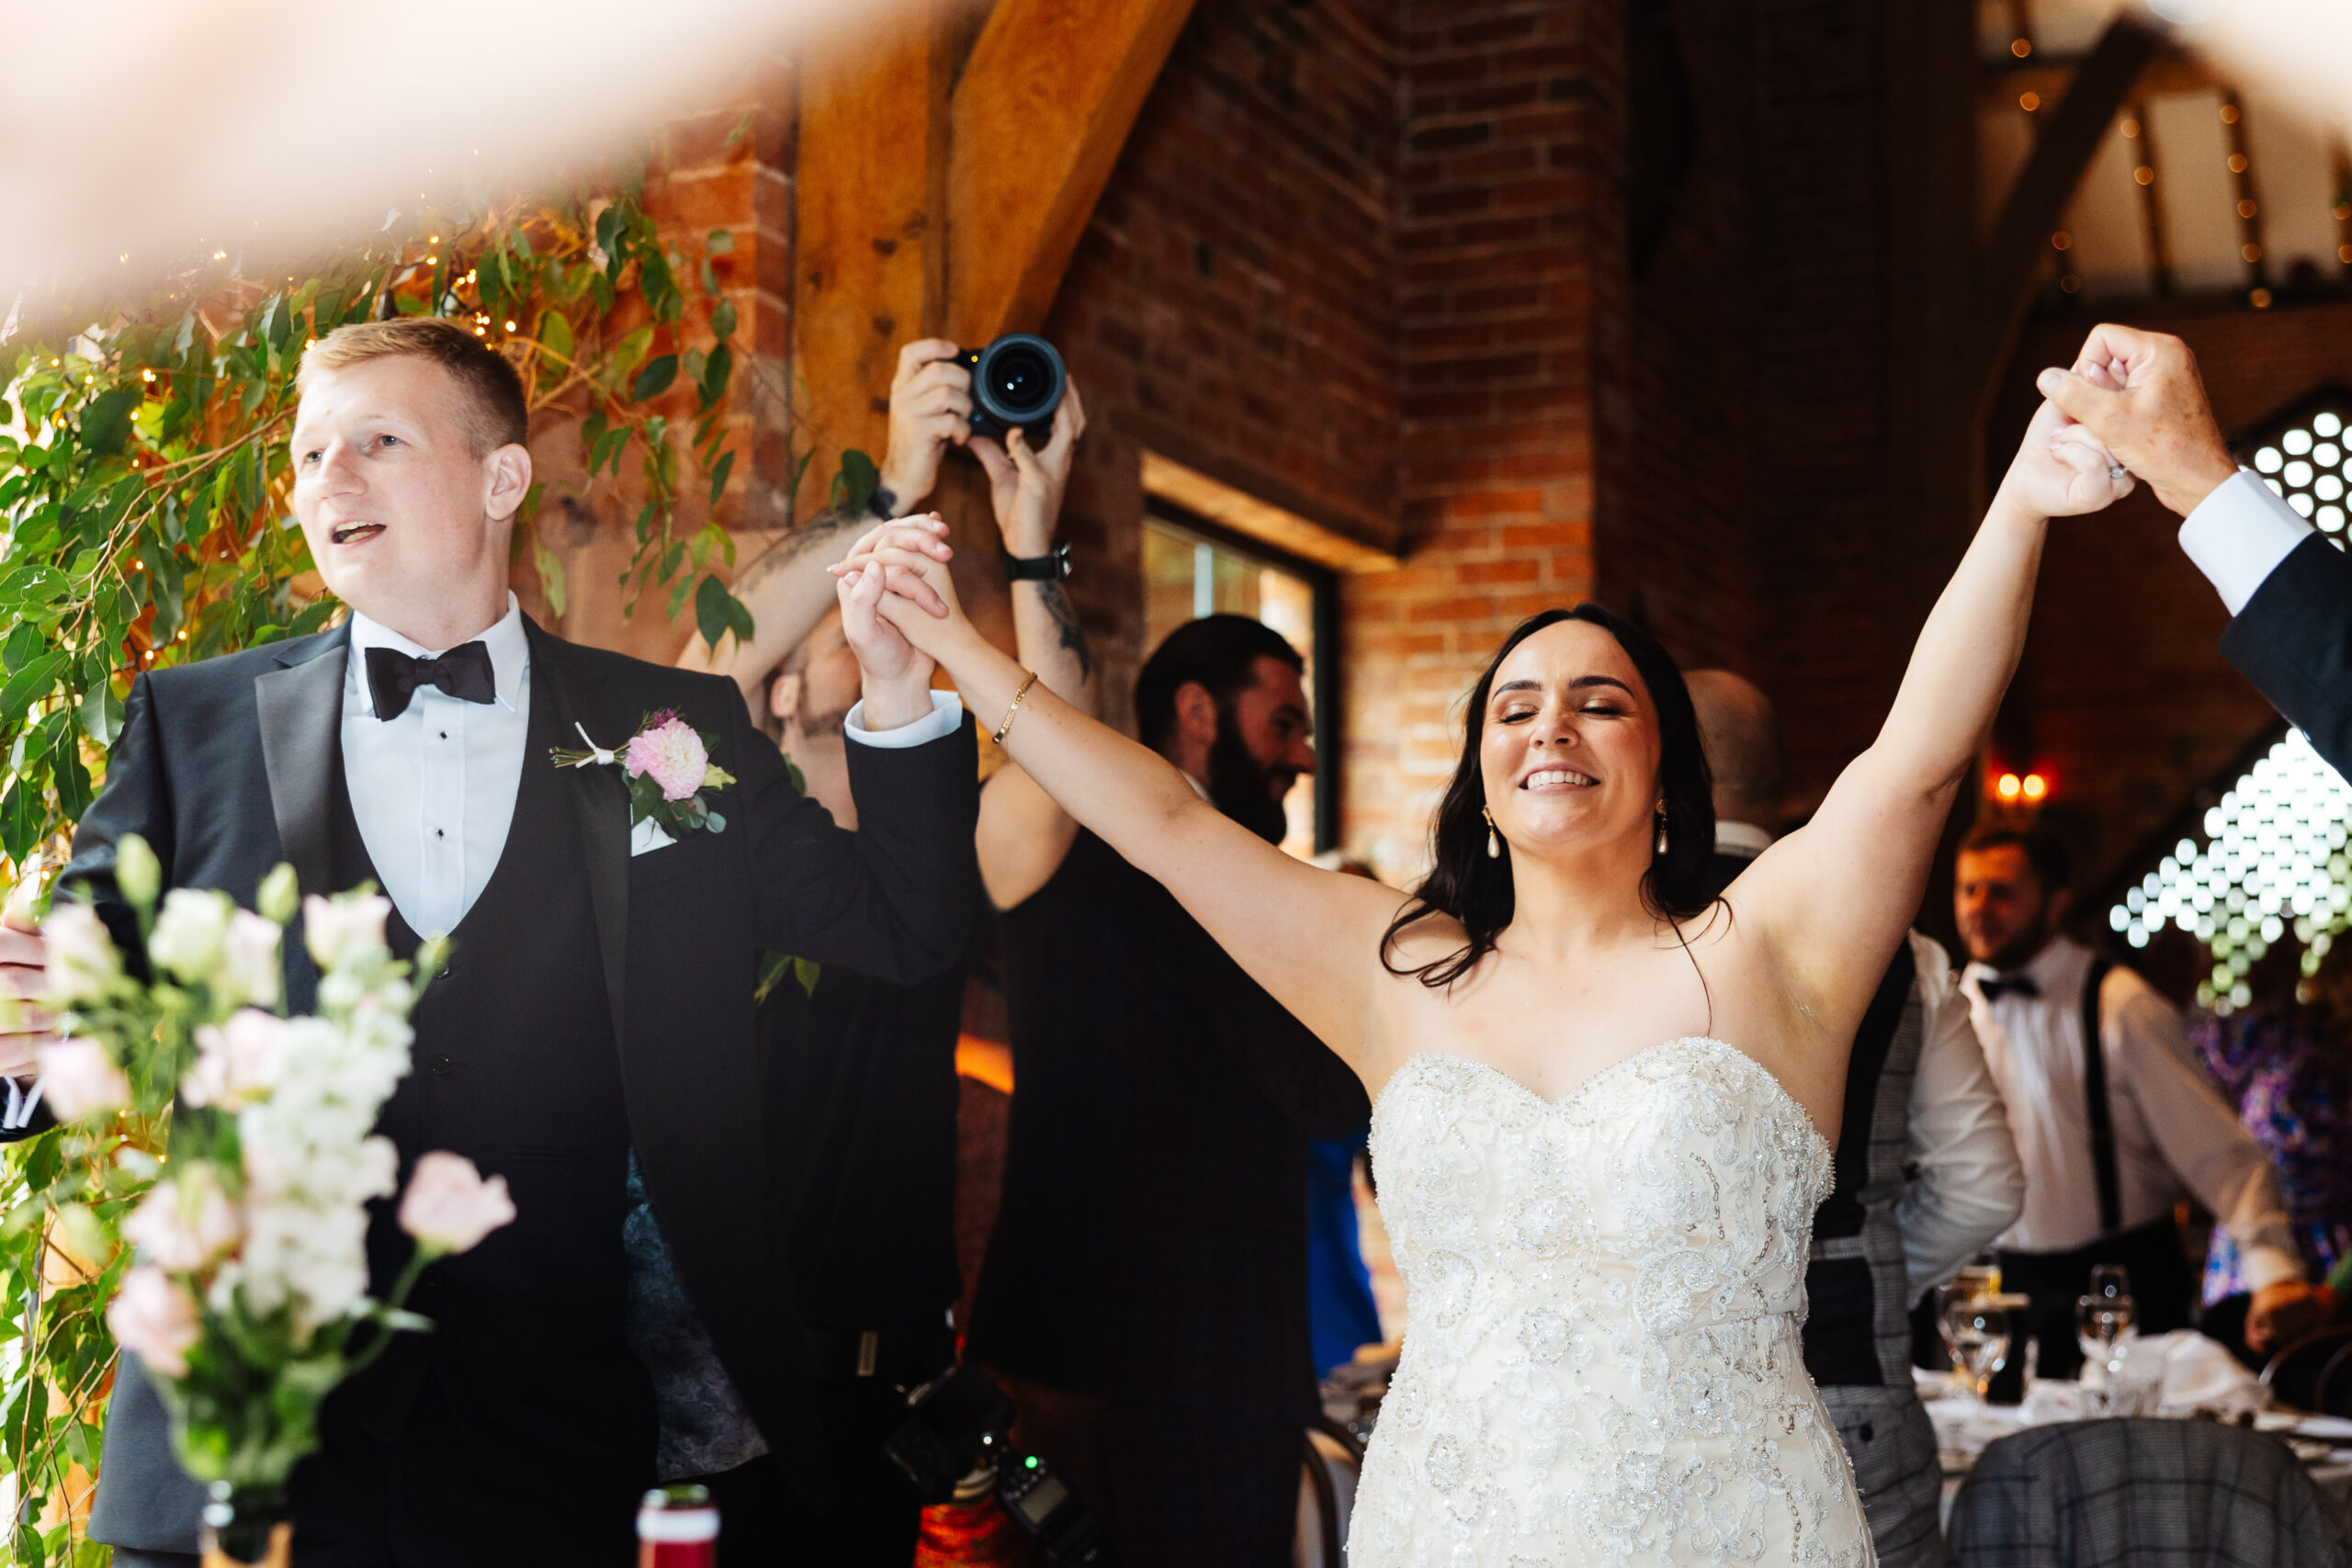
{"x": 1603, "y": 1363}
{"x": 1586, "y": 1085}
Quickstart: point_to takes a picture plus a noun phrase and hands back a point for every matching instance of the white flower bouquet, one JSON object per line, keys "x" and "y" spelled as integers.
{"x": 251, "y": 1271}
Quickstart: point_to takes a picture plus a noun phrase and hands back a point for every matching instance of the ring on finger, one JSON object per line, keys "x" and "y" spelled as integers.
{"x": 2118, "y": 471}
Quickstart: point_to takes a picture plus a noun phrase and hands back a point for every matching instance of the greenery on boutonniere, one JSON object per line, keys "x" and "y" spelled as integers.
{"x": 667, "y": 764}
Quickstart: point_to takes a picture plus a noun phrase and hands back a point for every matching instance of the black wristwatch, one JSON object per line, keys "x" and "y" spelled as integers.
{"x": 1051, "y": 566}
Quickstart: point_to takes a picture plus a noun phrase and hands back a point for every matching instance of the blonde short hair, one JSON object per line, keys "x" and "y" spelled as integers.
{"x": 496, "y": 413}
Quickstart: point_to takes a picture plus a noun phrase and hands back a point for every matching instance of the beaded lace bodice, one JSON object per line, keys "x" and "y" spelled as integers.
{"x": 1601, "y": 1364}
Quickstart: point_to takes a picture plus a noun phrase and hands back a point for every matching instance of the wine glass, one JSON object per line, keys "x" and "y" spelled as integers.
{"x": 1977, "y": 1331}
{"x": 2100, "y": 1324}
{"x": 2112, "y": 1280}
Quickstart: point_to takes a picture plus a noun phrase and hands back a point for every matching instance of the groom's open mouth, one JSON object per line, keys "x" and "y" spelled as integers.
{"x": 1557, "y": 778}
{"x": 351, "y": 533}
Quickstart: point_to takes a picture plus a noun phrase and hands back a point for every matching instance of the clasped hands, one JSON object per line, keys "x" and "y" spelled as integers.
{"x": 897, "y": 595}
{"x": 2137, "y": 395}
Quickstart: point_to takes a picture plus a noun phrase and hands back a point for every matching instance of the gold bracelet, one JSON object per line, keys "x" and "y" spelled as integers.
{"x": 1006, "y": 728}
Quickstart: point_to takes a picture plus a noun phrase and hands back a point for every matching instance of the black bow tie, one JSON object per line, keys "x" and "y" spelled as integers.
{"x": 1995, "y": 987}
{"x": 464, "y": 672}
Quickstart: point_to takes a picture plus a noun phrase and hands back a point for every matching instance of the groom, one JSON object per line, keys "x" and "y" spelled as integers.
{"x": 594, "y": 1037}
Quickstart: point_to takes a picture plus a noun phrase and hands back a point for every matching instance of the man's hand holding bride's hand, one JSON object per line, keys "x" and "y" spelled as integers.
{"x": 2140, "y": 394}
{"x": 897, "y": 574}
{"x": 2062, "y": 470}
{"x": 897, "y": 671}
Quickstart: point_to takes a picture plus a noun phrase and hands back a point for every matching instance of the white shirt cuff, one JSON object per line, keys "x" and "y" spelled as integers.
{"x": 22, "y": 1103}
{"x": 2239, "y": 534}
{"x": 2263, "y": 1266}
{"x": 946, "y": 718}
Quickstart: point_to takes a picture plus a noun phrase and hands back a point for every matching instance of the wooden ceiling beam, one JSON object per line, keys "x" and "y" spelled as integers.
{"x": 1043, "y": 108}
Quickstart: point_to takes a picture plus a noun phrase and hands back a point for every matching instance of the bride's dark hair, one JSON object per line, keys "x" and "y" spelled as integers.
{"x": 1464, "y": 883}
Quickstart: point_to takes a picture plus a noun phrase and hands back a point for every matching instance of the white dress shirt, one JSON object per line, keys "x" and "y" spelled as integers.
{"x": 1968, "y": 1181}
{"x": 2239, "y": 534}
{"x": 434, "y": 790}
{"x": 2173, "y": 1133}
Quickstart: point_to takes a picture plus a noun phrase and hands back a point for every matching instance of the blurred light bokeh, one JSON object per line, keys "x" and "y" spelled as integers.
{"x": 138, "y": 138}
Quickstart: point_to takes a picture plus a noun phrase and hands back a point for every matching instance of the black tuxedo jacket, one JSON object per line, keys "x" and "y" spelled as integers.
{"x": 229, "y": 766}
{"x": 2293, "y": 640}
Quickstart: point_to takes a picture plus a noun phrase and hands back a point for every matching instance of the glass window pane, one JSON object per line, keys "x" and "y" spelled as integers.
{"x": 1186, "y": 576}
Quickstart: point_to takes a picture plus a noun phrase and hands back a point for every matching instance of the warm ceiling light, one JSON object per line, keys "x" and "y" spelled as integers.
{"x": 2029, "y": 101}
{"x": 2009, "y": 786}
{"x": 2034, "y": 786}
{"x": 2021, "y": 47}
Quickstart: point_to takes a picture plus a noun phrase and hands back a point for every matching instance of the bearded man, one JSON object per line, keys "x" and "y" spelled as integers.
{"x": 1144, "y": 1296}
{"x": 592, "y": 1039}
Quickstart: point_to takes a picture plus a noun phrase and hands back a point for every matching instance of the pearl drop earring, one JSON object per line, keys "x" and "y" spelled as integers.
{"x": 1661, "y": 829}
{"x": 1494, "y": 840}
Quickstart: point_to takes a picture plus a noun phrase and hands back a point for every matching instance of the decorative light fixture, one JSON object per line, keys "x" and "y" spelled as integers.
{"x": 2274, "y": 862}
{"x": 2306, "y": 463}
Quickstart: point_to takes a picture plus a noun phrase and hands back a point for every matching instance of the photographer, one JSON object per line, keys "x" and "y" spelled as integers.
{"x": 859, "y": 1075}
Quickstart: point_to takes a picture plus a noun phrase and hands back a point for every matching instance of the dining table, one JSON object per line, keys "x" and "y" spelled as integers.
{"x": 2201, "y": 1380}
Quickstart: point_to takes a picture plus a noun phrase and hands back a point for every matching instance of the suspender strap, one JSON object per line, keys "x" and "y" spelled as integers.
{"x": 2111, "y": 1191}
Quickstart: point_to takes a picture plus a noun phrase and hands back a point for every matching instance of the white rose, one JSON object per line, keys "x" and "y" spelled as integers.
{"x": 341, "y": 929}
{"x": 189, "y": 934}
{"x": 236, "y": 1060}
{"x": 448, "y": 1207}
{"x": 250, "y": 971}
{"x": 78, "y": 1078}
{"x": 81, "y": 958}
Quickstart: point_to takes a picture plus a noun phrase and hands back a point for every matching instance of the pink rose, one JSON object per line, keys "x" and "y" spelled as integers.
{"x": 448, "y": 1206}
{"x": 155, "y": 1317}
{"x": 183, "y": 1225}
{"x": 78, "y": 1078}
{"x": 673, "y": 752}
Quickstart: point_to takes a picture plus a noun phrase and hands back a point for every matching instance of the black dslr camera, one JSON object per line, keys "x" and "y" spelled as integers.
{"x": 952, "y": 1446}
{"x": 1017, "y": 381}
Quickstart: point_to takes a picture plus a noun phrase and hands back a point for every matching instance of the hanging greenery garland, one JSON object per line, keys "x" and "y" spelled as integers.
{"x": 146, "y": 521}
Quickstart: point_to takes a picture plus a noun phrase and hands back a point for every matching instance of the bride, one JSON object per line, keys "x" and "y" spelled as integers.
{"x": 1603, "y": 1111}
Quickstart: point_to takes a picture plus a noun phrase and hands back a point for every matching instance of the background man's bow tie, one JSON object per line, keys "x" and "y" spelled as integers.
{"x": 464, "y": 672}
{"x": 1995, "y": 987}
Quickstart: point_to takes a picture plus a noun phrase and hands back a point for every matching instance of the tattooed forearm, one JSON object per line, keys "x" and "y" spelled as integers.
{"x": 1065, "y": 614}
{"x": 825, "y": 528}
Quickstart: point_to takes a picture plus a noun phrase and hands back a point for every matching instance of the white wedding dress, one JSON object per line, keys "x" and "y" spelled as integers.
{"x": 1603, "y": 1364}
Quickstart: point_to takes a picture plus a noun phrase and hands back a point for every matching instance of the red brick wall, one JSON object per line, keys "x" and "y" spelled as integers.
{"x": 1507, "y": 118}
{"x": 2124, "y": 698}
{"x": 1231, "y": 305}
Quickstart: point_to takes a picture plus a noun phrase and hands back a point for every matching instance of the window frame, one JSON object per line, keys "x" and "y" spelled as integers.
{"x": 1323, "y": 691}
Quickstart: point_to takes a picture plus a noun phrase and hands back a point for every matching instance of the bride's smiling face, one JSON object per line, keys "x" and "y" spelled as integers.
{"x": 1569, "y": 747}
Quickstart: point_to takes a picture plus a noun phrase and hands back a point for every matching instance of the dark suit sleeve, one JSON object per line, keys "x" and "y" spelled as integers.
{"x": 2293, "y": 640}
{"x": 133, "y": 800}
{"x": 1284, "y": 1059}
{"x": 894, "y": 899}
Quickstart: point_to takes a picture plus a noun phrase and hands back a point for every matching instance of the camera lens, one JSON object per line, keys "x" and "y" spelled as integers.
{"x": 1019, "y": 379}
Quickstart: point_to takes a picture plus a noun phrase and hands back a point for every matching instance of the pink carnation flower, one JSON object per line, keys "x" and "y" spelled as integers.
{"x": 671, "y": 753}
{"x": 156, "y": 1318}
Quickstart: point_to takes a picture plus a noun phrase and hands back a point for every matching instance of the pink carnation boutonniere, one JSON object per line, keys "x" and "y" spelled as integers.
{"x": 667, "y": 763}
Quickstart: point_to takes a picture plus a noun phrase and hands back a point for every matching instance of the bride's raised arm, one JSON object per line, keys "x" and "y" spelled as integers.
{"x": 1311, "y": 937}
{"x": 1833, "y": 898}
